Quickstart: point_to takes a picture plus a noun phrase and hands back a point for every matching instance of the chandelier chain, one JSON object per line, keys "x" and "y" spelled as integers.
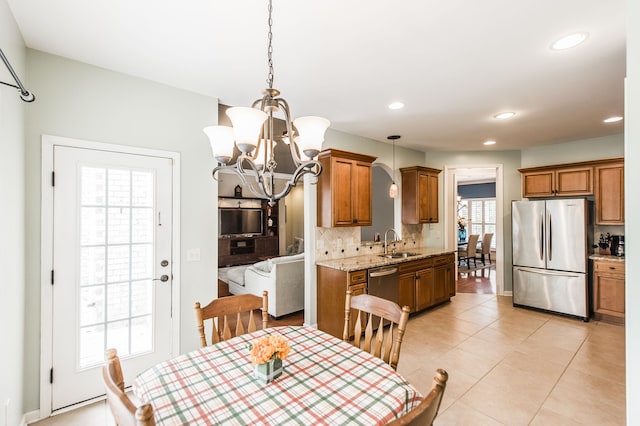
{"x": 270, "y": 48}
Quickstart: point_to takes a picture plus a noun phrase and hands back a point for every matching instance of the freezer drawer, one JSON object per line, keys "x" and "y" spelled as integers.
{"x": 556, "y": 291}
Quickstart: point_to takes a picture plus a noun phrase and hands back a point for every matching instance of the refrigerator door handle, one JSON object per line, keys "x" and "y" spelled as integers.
{"x": 541, "y": 245}
{"x": 550, "y": 250}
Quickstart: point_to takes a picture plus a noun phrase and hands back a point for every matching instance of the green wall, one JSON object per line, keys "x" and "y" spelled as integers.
{"x": 12, "y": 223}
{"x": 81, "y": 101}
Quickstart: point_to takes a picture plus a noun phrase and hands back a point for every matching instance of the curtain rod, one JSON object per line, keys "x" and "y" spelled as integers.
{"x": 25, "y": 95}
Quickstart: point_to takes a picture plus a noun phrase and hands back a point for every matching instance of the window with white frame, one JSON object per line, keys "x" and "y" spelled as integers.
{"x": 480, "y": 215}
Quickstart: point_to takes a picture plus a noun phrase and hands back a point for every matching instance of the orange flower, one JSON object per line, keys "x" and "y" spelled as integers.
{"x": 268, "y": 347}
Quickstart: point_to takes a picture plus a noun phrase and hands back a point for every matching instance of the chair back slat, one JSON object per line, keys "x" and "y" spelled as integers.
{"x": 223, "y": 312}
{"x": 368, "y": 333}
{"x": 357, "y": 329}
{"x": 382, "y": 344}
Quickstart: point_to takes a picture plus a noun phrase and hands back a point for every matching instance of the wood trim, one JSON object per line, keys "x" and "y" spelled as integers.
{"x": 568, "y": 165}
{"x": 346, "y": 154}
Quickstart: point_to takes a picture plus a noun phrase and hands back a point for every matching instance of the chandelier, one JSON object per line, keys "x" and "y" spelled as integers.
{"x": 253, "y": 134}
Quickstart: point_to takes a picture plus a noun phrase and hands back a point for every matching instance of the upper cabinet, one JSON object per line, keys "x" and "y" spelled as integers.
{"x": 602, "y": 178}
{"x": 419, "y": 195}
{"x": 610, "y": 194}
{"x": 557, "y": 181}
{"x": 344, "y": 189}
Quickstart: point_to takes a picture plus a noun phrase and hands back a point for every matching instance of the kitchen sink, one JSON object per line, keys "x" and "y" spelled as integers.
{"x": 399, "y": 255}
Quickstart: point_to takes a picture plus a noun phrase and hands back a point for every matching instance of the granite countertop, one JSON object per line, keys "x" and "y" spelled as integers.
{"x": 606, "y": 258}
{"x": 356, "y": 263}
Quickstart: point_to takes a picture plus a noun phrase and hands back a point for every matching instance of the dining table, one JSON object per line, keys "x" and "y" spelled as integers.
{"x": 325, "y": 381}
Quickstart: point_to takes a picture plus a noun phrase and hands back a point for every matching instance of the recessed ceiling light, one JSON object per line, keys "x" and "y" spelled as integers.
{"x": 396, "y": 105}
{"x": 612, "y": 119}
{"x": 569, "y": 41}
{"x": 504, "y": 115}
{"x": 489, "y": 143}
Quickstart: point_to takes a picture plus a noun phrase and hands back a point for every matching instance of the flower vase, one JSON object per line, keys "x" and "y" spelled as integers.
{"x": 268, "y": 371}
{"x": 462, "y": 234}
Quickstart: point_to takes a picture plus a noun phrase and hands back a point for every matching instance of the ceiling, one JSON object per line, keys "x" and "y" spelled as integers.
{"x": 454, "y": 63}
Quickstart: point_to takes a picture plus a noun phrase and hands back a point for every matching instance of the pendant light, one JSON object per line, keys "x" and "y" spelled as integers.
{"x": 393, "y": 189}
{"x": 253, "y": 134}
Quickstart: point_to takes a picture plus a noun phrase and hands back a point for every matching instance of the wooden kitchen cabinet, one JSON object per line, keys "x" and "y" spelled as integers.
{"x": 426, "y": 282}
{"x": 419, "y": 195}
{"x": 609, "y": 194}
{"x": 344, "y": 189}
{"x": 443, "y": 278}
{"x": 608, "y": 291}
{"x": 332, "y": 295}
{"x": 406, "y": 290}
{"x": 555, "y": 181}
{"x": 424, "y": 288}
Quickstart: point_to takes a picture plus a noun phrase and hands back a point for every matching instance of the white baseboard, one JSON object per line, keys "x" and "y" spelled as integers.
{"x": 507, "y": 293}
{"x": 30, "y": 417}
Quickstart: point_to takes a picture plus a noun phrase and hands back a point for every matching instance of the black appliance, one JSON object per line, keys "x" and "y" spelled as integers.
{"x": 617, "y": 245}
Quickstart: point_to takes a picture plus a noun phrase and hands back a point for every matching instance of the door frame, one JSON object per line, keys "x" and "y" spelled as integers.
{"x": 46, "y": 252}
{"x": 450, "y": 234}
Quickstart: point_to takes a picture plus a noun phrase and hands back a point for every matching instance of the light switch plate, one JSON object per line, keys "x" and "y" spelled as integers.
{"x": 193, "y": 255}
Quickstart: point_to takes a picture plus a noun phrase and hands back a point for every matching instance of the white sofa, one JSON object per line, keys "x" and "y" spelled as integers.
{"x": 282, "y": 277}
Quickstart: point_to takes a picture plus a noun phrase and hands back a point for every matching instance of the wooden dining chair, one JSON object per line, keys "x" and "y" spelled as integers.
{"x": 371, "y": 310}
{"x": 124, "y": 411}
{"x": 225, "y": 311}
{"x": 425, "y": 413}
{"x": 469, "y": 252}
{"x": 485, "y": 250}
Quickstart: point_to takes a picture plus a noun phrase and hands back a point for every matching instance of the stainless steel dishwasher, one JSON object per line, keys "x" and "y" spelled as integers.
{"x": 383, "y": 282}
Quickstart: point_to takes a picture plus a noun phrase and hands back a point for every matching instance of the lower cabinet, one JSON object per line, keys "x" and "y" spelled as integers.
{"x": 421, "y": 284}
{"x": 608, "y": 291}
{"x": 332, "y": 294}
{"x": 426, "y": 282}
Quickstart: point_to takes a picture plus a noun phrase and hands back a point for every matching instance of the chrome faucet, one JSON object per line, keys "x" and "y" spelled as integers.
{"x": 385, "y": 238}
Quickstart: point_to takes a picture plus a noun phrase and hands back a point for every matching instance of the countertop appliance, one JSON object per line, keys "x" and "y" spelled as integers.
{"x": 550, "y": 259}
{"x": 383, "y": 282}
{"x": 617, "y": 245}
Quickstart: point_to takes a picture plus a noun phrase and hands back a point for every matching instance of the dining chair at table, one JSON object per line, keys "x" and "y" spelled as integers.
{"x": 225, "y": 310}
{"x": 367, "y": 310}
{"x": 469, "y": 252}
{"x": 123, "y": 409}
{"x": 485, "y": 250}
{"x": 425, "y": 413}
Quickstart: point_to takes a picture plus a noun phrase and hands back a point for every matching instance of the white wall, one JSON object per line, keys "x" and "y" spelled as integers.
{"x": 85, "y": 102}
{"x": 511, "y": 179}
{"x": 632, "y": 206}
{"x": 12, "y": 255}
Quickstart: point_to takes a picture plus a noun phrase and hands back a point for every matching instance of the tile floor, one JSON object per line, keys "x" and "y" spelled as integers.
{"x": 507, "y": 366}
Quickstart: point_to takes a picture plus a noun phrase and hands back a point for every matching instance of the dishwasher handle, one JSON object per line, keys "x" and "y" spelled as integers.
{"x": 382, "y": 272}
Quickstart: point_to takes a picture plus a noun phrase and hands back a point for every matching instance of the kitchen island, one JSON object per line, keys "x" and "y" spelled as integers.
{"x": 425, "y": 278}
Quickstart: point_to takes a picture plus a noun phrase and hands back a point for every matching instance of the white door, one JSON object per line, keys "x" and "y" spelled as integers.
{"x": 112, "y": 267}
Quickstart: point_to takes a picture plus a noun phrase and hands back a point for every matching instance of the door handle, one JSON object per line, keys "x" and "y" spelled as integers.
{"x": 163, "y": 278}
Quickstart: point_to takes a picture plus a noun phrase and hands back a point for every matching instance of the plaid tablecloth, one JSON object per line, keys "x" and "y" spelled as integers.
{"x": 325, "y": 381}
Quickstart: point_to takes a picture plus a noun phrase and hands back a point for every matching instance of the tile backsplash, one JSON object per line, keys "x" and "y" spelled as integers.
{"x": 337, "y": 243}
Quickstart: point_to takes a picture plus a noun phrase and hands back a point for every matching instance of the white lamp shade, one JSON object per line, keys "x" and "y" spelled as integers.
{"x": 311, "y": 134}
{"x": 221, "y": 140}
{"x": 393, "y": 190}
{"x": 247, "y": 123}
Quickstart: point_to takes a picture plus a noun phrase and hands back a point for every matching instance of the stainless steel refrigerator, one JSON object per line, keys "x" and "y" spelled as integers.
{"x": 550, "y": 260}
